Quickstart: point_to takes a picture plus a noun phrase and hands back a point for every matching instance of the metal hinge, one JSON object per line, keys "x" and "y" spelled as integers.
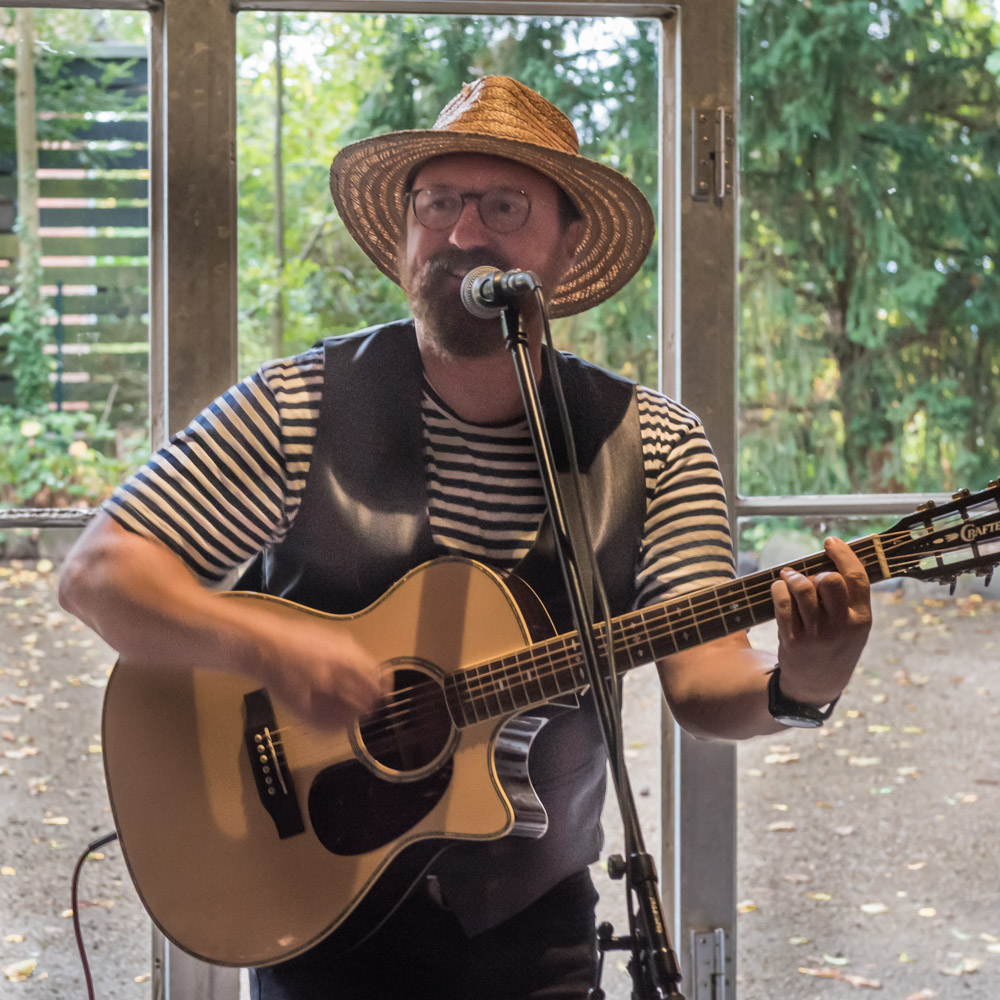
{"x": 712, "y": 964}
{"x": 713, "y": 142}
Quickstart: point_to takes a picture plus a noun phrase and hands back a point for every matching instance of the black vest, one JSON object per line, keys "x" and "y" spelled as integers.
{"x": 363, "y": 523}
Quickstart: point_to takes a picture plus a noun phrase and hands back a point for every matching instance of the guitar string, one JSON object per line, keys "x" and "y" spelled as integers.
{"x": 546, "y": 653}
{"x": 556, "y": 666}
{"x": 558, "y": 662}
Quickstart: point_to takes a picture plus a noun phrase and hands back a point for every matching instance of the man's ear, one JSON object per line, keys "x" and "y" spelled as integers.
{"x": 572, "y": 237}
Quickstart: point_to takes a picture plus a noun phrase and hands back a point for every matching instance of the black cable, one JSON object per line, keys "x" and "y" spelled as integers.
{"x": 96, "y": 845}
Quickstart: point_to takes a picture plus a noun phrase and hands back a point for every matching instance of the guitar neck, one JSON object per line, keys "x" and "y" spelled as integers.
{"x": 544, "y": 671}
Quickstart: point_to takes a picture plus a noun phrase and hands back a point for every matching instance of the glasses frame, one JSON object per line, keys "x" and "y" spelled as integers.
{"x": 411, "y": 199}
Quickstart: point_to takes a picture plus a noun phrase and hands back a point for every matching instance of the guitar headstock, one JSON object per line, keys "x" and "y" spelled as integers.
{"x": 943, "y": 541}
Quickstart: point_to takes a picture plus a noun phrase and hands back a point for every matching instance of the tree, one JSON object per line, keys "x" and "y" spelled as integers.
{"x": 348, "y": 77}
{"x": 871, "y": 301}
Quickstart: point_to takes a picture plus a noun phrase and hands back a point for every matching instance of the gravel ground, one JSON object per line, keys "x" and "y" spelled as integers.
{"x": 867, "y": 850}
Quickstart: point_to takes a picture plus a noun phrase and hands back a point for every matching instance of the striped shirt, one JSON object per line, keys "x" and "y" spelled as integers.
{"x": 231, "y": 483}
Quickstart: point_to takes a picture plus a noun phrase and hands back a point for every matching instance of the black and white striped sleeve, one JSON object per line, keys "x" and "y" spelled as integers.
{"x": 231, "y": 482}
{"x": 686, "y": 539}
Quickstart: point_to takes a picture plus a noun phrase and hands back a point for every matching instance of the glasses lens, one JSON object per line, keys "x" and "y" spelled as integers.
{"x": 437, "y": 207}
{"x": 503, "y": 209}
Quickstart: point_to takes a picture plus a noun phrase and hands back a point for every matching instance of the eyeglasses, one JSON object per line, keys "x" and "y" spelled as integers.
{"x": 503, "y": 210}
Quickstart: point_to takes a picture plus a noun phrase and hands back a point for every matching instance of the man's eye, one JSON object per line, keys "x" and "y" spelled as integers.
{"x": 441, "y": 203}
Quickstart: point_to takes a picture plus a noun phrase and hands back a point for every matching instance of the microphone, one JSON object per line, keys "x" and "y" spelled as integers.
{"x": 487, "y": 291}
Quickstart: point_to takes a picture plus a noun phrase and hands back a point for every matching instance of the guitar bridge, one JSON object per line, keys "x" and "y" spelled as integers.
{"x": 268, "y": 764}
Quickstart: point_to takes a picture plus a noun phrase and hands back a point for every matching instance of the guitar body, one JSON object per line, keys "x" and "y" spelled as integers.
{"x": 362, "y": 815}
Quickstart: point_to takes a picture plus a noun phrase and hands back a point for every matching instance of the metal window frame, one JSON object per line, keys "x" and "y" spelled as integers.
{"x": 193, "y": 222}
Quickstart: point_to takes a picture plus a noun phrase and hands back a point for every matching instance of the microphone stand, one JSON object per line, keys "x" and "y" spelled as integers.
{"x": 653, "y": 966}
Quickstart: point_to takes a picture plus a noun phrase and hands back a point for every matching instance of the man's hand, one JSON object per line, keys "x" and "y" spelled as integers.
{"x": 318, "y": 670}
{"x": 823, "y": 624}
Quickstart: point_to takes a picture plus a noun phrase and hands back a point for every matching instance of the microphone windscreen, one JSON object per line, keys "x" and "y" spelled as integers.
{"x": 469, "y": 297}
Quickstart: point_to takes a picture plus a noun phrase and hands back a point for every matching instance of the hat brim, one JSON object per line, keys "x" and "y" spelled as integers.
{"x": 368, "y": 179}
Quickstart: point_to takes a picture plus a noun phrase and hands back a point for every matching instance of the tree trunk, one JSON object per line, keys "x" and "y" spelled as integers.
{"x": 29, "y": 244}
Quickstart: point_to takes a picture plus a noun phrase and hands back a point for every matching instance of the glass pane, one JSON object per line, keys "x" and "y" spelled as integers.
{"x": 345, "y": 77}
{"x": 861, "y": 844}
{"x": 73, "y": 414}
{"x": 73, "y": 291}
{"x": 869, "y": 292}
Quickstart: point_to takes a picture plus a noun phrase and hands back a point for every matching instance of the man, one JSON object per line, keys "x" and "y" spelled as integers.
{"x": 354, "y": 462}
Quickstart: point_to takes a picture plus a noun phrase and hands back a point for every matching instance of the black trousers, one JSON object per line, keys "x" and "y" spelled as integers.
{"x": 546, "y": 952}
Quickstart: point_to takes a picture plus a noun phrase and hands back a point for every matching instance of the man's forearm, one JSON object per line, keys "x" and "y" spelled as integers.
{"x": 719, "y": 690}
{"x": 144, "y": 602}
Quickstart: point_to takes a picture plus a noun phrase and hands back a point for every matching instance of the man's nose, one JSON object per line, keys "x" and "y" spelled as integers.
{"x": 468, "y": 228}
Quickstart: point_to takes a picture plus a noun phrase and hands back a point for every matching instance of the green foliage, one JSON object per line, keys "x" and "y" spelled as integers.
{"x": 62, "y": 459}
{"x": 870, "y": 296}
{"x": 348, "y": 77}
{"x": 23, "y": 338}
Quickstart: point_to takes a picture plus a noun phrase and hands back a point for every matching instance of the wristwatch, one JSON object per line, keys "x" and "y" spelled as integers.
{"x": 794, "y": 713}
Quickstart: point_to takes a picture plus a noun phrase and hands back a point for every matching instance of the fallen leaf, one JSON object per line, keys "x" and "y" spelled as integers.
{"x": 798, "y": 940}
{"x": 144, "y": 978}
{"x": 14, "y": 938}
{"x": 56, "y": 820}
{"x": 834, "y": 959}
{"x": 927, "y": 911}
{"x": 746, "y": 906}
{"x": 855, "y": 980}
{"x": 20, "y": 972}
{"x": 781, "y": 758}
{"x": 821, "y": 896}
{"x": 864, "y": 761}
{"x": 843, "y": 831}
{"x": 964, "y": 968}
{"x": 874, "y": 908}
{"x": 820, "y": 973}
{"x": 782, "y": 826}
{"x": 923, "y": 995}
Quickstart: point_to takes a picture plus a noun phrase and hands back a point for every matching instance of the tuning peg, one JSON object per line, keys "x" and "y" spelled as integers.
{"x": 961, "y": 494}
{"x": 989, "y": 579}
{"x": 929, "y": 505}
{"x": 952, "y": 584}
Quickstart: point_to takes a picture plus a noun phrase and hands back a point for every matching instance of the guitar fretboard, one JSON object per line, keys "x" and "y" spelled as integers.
{"x": 546, "y": 670}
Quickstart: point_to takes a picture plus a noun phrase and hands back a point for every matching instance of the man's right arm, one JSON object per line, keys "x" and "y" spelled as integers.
{"x": 141, "y": 598}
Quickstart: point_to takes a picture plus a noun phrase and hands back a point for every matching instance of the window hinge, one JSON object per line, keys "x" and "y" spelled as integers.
{"x": 713, "y": 142}
{"x": 711, "y": 964}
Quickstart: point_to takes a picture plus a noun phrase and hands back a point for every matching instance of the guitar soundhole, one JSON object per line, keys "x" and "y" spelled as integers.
{"x": 413, "y": 729}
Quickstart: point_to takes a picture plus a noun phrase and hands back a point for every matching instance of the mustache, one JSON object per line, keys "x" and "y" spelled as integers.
{"x": 449, "y": 260}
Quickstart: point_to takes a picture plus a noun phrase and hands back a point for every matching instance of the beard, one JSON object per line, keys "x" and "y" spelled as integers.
{"x": 448, "y": 326}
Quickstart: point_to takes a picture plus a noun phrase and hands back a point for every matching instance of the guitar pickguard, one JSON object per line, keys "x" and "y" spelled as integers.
{"x": 353, "y": 810}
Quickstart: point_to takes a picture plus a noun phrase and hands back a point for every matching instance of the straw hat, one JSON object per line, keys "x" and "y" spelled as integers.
{"x": 501, "y": 117}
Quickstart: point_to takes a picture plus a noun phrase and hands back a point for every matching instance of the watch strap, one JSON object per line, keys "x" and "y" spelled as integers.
{"x": 794, "y": 713}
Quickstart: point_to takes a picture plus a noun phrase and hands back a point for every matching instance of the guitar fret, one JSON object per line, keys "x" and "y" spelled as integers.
{"x": 474, "y": 695}
{"x": 453, "y": 698}
{"x": 547, "y": 679}
{"x": 532, "y": 686}
{"x": 504, "y": 692}
{"x": 736, "y": 616}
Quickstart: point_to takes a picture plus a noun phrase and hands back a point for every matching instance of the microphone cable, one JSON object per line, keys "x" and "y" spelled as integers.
{"x": 95, "y": 846}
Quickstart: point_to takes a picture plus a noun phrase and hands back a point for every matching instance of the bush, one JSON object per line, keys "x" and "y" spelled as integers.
{"x": 63, "y": 459}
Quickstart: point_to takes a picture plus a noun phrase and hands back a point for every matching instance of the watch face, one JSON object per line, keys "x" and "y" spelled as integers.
{"x": 798, "y": 721}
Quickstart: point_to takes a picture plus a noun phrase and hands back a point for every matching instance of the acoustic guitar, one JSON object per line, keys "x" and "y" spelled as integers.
{"x": 251, "y": 836}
